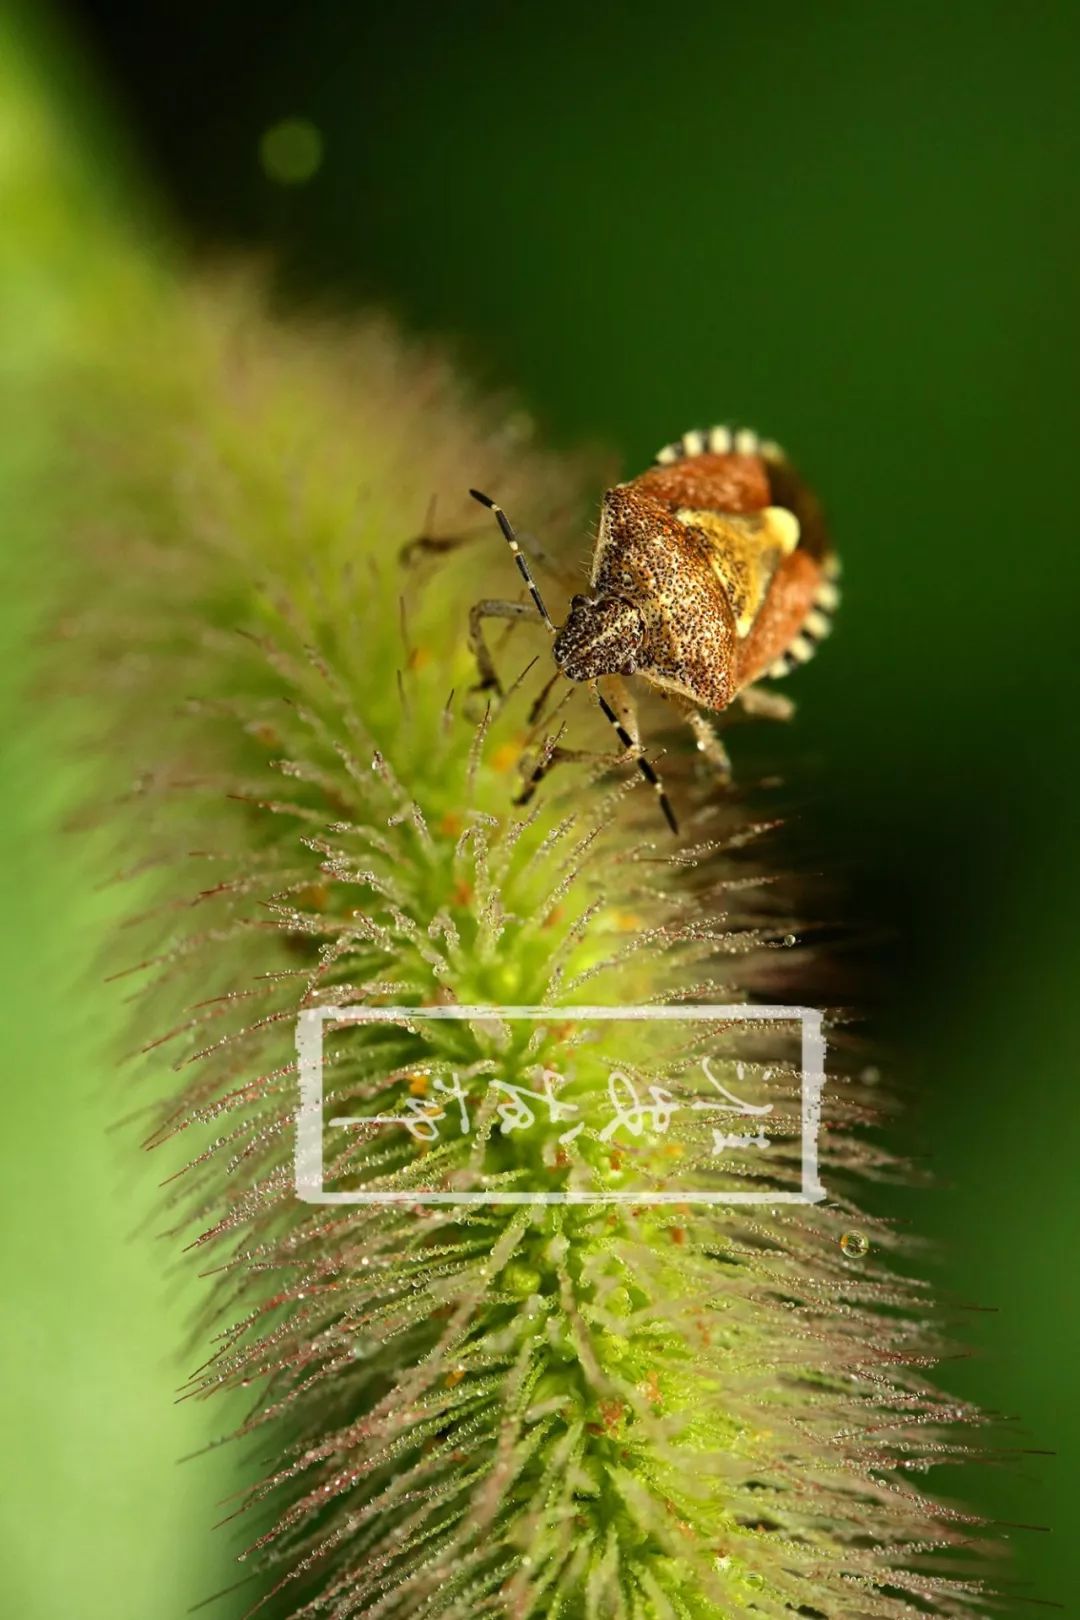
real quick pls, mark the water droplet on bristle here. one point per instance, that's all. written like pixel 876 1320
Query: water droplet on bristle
pixel 855 1245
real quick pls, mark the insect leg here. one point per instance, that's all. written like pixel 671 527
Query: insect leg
pixel 632 744
pixel 490 608
pixel 554 755
pixel 434 545
pixel 427 543
pixel 539 703
pixel 755 700
pixel 705 734
pixel 631 750
pixel 709 742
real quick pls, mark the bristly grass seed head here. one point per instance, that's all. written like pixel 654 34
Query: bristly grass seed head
pixel 568 1410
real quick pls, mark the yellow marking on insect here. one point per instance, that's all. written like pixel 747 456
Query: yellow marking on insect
pixel 418 1085
pixel 783 526
pixel 743 552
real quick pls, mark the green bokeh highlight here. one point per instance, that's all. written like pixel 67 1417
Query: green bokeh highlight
pixel 98 1514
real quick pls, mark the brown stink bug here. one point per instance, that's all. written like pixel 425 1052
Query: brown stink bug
pixel 711 570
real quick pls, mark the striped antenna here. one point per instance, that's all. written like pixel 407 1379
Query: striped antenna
pixel 519 557
pixel 643 764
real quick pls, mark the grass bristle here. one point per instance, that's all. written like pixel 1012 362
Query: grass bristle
pixel 662 1411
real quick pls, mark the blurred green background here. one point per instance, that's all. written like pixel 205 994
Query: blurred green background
pixel 854 226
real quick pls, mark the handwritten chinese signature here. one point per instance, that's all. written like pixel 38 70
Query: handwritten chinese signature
pixel 518 1107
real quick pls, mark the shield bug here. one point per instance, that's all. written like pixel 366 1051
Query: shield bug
pixel 712 570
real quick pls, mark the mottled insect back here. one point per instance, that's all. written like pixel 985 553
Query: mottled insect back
pixel 712 570
pixel 746 518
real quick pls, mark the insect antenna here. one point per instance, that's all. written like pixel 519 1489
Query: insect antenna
pixel 519 556
pixel 644 765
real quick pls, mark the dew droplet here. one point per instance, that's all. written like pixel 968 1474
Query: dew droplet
pixel 855 1245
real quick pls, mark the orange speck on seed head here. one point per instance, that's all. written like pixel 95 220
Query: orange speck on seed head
pixel 611 1412
pixel 505 757
pixel 315 896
